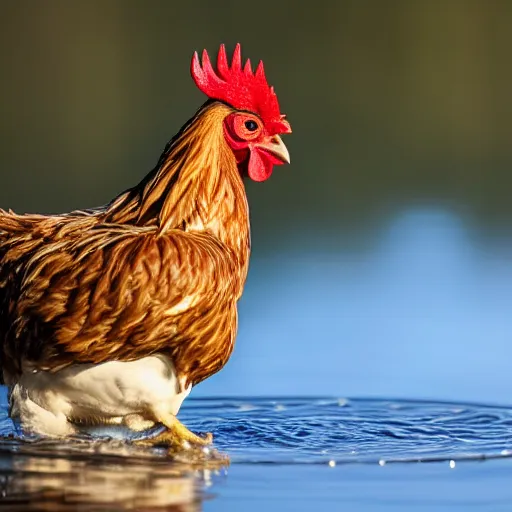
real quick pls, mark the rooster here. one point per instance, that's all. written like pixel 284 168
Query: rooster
pixel 110 316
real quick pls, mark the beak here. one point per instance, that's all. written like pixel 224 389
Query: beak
pixel 276 148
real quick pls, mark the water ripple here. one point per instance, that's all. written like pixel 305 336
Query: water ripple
pixel 108 474
pixel 306 430
pixel 321 430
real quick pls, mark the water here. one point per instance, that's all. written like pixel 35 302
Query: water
pixel 302 450
pixel 340 431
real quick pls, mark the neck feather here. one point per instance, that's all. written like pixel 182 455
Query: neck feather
pixel 195 186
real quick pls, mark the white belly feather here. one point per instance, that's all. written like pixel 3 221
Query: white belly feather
pixel 114 392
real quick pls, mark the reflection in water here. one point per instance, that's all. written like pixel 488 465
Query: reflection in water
pixel 59 484
pixel 98 474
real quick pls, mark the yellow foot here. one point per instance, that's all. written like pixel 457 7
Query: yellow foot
pixel 177 439
pixel 184 435
pixel 177 435
pixel 186 447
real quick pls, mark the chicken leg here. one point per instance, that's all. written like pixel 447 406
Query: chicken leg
pixel 176 435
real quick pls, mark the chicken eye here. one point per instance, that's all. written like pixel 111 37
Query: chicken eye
pixel 251 125
pixel 243 127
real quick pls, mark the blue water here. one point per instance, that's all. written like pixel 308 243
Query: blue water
pixel 342 431
pixel 423 487
pixel 381 454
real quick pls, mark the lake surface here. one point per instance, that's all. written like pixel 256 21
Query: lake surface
pixel 306 452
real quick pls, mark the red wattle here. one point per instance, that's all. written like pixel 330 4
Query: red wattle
pixel 259 167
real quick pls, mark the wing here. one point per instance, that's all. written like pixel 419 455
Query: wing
pixel 111 292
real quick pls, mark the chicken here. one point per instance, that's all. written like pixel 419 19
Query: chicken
pixel 110 316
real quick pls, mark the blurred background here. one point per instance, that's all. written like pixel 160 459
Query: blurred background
pixel 382 261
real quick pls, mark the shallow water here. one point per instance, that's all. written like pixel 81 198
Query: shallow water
pixel 318 431
pixel 309 451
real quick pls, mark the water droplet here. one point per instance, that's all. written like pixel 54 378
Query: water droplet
pixel 452 464
pixel 247 407
pixel 207 477
pixel 382 462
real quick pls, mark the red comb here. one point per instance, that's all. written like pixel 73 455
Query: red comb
pixel 240 88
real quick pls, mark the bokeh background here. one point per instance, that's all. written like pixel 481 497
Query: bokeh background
pixel 382 261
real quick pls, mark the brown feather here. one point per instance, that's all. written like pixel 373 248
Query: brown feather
pixel 158 270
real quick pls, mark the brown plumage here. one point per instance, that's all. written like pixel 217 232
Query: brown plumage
pixel 94 287
pixel 159 270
